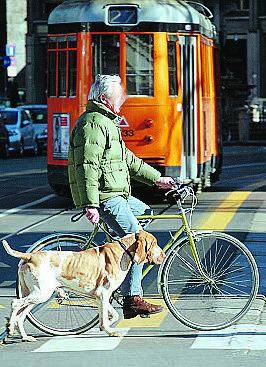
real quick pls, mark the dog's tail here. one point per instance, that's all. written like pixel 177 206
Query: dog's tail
pixel 20 255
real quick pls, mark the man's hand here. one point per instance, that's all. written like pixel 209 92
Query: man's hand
pixel 165 183
pixel 92 215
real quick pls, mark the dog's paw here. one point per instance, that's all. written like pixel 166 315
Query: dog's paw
pixel 29 338
pixel 115 333
pixel 8 339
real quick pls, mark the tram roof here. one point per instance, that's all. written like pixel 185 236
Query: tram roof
pixel 149 11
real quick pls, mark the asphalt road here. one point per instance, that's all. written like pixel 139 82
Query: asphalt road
pixel 236 204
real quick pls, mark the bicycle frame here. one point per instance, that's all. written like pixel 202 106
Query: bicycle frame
pixel 184 228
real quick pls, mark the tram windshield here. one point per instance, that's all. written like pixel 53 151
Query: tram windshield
pixel 105 54
pixel 139 60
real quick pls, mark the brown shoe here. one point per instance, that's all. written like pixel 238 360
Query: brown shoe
pixel 135 305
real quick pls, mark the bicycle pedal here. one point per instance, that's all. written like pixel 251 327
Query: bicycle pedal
pixel 145 316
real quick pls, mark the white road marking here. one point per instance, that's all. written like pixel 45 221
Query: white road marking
pixel 23 173
pixel 25 206
pixel 7 283
pixel 96 340
pixel 244 165
pixel 242 336
pixel 3 265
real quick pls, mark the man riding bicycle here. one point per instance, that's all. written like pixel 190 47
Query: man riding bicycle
pixel 100 168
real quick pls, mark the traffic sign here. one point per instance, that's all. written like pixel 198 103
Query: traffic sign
pixel 6 61
pixel 11 49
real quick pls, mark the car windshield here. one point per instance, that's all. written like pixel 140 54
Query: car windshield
pixel 9 117
pixel 39 116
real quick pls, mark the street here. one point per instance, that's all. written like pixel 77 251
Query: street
pixel 236 204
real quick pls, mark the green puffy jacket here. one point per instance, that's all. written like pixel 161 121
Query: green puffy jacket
pixel 100 166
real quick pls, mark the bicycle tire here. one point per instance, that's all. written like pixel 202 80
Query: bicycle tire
pixel 72 316
pixel 194 301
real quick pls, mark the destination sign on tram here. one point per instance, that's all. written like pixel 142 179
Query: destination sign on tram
pixel 122 15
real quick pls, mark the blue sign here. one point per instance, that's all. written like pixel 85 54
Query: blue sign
pixel 10 50
pixel 6 61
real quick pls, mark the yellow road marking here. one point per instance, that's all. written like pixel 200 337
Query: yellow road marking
pixel 225 212
pixel 1 306
pixel 154 321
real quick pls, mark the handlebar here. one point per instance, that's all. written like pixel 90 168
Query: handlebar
pixel 179 192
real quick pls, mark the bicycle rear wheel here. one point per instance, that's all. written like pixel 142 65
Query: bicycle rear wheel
pixel 223 299
pixel 69 313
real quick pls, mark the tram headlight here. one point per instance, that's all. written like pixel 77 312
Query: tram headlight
pixel 148 139
pixel 148 123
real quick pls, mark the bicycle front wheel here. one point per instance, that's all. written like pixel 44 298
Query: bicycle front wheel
pixel 220 297
pixel 66 312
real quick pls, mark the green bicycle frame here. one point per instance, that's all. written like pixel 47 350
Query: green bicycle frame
pixel 183 228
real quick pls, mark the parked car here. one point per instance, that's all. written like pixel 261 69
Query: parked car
pixel 20 130
pixel 4 138
pixel 38 114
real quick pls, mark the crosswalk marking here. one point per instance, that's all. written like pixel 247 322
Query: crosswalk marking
pixel 153 321
pixel 96 340
pixel 242 336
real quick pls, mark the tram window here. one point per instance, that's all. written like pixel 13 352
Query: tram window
pixel 72 73
pixel 172 67
pixel 52 42
pixel 205 70
pixel 139 65
pixel 105 54
pixel 52 73
pixel 62 73
pixel 72 42
pixel 62 43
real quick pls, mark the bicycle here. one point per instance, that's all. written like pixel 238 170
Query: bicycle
pixel 208 279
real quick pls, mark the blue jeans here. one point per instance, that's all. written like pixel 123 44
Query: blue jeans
pixel 120 215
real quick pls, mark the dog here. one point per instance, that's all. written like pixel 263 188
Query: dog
pixel 96 272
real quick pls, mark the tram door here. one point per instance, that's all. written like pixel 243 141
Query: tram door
pixel 189 82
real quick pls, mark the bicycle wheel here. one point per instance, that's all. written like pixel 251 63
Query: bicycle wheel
pixel 66 314
pixel 221 300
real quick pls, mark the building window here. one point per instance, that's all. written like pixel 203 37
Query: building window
pixel 262 8
pixel 139 65
pixel 62 66
pixel 244 4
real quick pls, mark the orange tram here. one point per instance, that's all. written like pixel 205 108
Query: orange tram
pixel 166 55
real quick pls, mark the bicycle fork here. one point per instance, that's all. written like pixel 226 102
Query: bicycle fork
pixel 193 248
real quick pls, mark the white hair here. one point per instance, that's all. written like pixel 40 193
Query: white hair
pixel 103 85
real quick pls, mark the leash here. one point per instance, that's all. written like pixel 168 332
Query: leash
pixel 119 241
pixel 76 217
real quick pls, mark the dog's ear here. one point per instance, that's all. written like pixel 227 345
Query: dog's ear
pixel 140 253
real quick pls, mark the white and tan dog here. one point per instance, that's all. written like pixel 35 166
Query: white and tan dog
pixel 96 272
